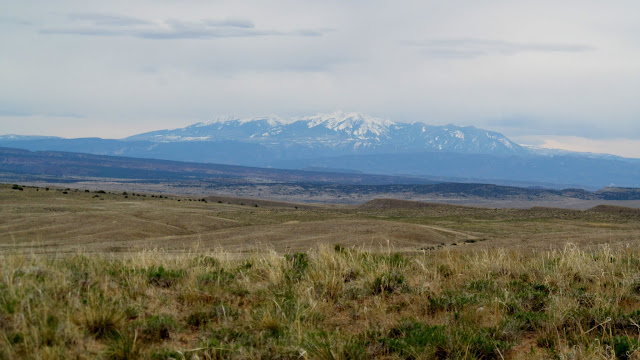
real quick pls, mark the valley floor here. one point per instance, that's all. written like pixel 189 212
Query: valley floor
pixel 58 220
pixel 126 275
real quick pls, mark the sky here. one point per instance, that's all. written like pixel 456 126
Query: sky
pixel 545 73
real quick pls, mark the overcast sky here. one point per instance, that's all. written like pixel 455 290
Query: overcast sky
pixel 557 74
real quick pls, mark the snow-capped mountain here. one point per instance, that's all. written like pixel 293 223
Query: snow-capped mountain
pixel 353 142
pixel 346 132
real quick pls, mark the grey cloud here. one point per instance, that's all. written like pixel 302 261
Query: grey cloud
pixel 7 20
pixel 107 19
pixel 310 32
pixel 113 25
pixel 241 23
pixel 13 112
pixel 472 48
pixel 521 125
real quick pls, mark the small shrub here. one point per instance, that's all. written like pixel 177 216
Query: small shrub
pixel 397 260
pixel 531 296
pixel 272 326
pixel 101 320
pixel 216 277
pixel 166 354
pixel 245 265
pixel 635 287
pixel 387 283
pixel 409 337
pixel 298 262
pixel 215 349
pixel 547 340
pixel 481 285
pixel 623 346
pixel 322 345
pixel 159 327
pixel 17 187
pixel 445 270
pixel 159 276
pixel 8 305
pixel 222 343
pixel 122 346
pixel 531 320
pixel 198 319
pixel 15 338
pixel 209 261
pixel 449 301
pixel 132 312
pixel 350 275
pixel 49 331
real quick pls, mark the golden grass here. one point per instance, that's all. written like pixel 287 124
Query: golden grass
pixel 328 303
pixel 38 221
pixel 120 276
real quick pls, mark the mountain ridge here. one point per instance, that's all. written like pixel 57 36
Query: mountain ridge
pixel 355 132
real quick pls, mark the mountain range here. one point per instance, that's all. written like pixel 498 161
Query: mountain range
pixel 343 133
pixel 357 142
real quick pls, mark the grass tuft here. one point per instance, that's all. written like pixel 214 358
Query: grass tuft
pixel 123 346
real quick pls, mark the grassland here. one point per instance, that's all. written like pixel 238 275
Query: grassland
pixel 127 276
pixel 35 220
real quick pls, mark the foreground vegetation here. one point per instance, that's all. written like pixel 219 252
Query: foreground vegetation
pixel 328 303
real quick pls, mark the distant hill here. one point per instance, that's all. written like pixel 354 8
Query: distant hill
pixel 78 165
pixel 68 167
pixel 582 171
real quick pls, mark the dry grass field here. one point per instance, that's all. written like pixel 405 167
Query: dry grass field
pixel 34 220
pixel 129 276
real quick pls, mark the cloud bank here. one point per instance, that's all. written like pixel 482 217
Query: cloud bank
pixel 471 48
pixel 97 24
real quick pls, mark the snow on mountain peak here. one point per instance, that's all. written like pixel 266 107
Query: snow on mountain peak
pixel 354 123
pixel 272 120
